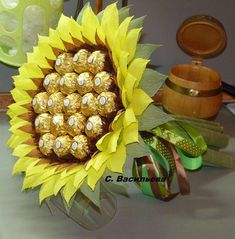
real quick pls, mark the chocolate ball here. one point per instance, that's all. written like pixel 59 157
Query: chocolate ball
pixel 72 103
pixel 62 146
pixel 80 61
pixel 40 103
pixel 76 124
pixel 85 83
pixel 81 147
pixel 64 63
pixel 103 81
pixel 46 143
pixel 96 62
pixel 89 104
pixel 58 125
pixel 68 83
pixel 55 103
pixel 96 127
pixel 108 104
pixel 51 83
pixel 43 123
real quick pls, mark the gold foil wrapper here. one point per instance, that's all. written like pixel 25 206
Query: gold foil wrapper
pixel 64 63
pixel 96 62
pixel 85 83
pixel 72 103
pixel 103 81
pixel 96 127
pixel 55 103
pixel 40 103
pixel 62 146
pixel 46 143
pixel 51 83
pixel 89 104
pixel 81 147
pixel 108 104
pixel 43 123
pixel 68 83
pixel 58 125
pixel 76 124
pixel 80 61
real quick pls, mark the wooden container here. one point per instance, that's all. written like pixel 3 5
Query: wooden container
pixel 193 89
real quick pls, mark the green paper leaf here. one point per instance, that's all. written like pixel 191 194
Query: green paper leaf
pixel 145 50
pixel 123 13
pixel 137 23
pixel 79 18
pixel 152 81
pixel 153 117
pixel 137 150
pixel 94 196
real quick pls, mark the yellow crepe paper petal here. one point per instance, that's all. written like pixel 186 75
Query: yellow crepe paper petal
pixel 30 70
pixel 19 95
pixel 99 160
pixel 60 183
pixel 55 40
pixel 130 133
pixel 118 121
pixel 22 164
pixel 140 101
pixel 94 176
pixel 117 159
pixel 80 176
pixel 76 30
pixel 64 23
pixel 129 117
pixel 46 49
pixel 22 150
pixel 129 85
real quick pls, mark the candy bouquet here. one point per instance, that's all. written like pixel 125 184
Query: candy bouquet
pixel 83 104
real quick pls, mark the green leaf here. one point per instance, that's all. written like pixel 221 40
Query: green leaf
pixel 79 18
pixel 137 150
pixel 145 50
pixel 152 81
pixel 137 23
pixel 123 13
pixel 153 117
pixel 94 196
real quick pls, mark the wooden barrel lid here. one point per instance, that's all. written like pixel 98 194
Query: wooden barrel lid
pixel 202 36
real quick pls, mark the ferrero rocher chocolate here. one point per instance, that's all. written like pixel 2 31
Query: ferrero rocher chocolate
pixel 80 147
pixel 62 146
pixel 85 83
pixel 72 103
pixel 80 60
pixel 40 103
pixel 68 83
pixel 64 63
pixel 76 124
pixel 103 81
pixel 43 123
pixel 108 104
pixel 96 61
pixel 55 103
pixel 58 125
pixel 46 143
pixel 89 104
pixel 51 83
pixel 96 127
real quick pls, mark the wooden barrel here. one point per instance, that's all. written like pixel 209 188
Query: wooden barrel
pixel 193 90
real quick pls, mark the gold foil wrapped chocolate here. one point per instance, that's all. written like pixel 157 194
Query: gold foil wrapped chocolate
pixel 96 61
pixel 58 125
pixel 89 104
pixel 46 143
pixel 96 127
pixel 103 81
pixel 80 61
pixel 81 147
pixel 68 83
pixel 40 103
pixel 72 103
pixel 64 63
pixel 108 104
pixel 62 145
pixel 76 124
pixel 51 83
pixel 55 103
pixel 85 83
pixel 43 123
